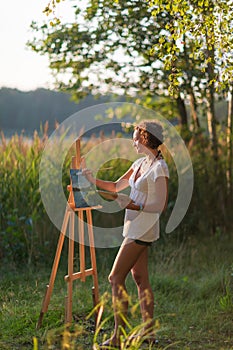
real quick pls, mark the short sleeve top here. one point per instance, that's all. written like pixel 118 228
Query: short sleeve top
pixel 139 224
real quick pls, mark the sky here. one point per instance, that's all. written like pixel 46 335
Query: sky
pixel 20 67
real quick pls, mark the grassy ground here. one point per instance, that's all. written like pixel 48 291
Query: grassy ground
pixel 193 289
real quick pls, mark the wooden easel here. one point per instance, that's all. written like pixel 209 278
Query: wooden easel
pixel 69 218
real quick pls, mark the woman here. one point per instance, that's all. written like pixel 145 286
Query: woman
pixel 148 179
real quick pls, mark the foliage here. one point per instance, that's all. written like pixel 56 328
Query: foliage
pixel 106 49
pixel 202 30
pixel 205 24
pixel 20 197
pixel 196 47
pixel 26 233
pixel 144 49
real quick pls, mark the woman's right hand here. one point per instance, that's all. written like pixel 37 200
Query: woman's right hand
pixel 123 200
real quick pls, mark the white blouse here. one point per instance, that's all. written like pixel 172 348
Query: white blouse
pixel 139 224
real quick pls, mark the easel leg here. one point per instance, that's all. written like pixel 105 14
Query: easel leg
pixel 81 245
pixel 95 289
pixel 93 257
pixel 68 315
pixel 49 287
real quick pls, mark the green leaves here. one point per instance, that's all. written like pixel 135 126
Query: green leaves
pixel 110 41
pixel 160 47
pixel 207 25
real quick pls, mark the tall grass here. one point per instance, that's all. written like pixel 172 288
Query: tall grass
pixel 20 201
pixel 26 233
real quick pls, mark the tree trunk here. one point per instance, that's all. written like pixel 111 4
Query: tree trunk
pixel 193 107
pixel 211 118
pixel 192 99
pixel 229 173
pixel 211 121
pixel 182 112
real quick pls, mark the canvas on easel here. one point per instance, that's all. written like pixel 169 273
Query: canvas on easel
pixel 84 192
pixel 81 200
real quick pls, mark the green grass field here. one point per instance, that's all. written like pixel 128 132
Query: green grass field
pixel 193 289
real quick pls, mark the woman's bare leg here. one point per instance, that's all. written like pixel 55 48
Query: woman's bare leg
pixel 126 258
pixel 141 276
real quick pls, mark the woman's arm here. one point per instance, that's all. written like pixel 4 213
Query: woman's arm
pixel 111 186
pixel 157 204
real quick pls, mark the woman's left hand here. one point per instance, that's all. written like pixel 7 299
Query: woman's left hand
pixel 123 200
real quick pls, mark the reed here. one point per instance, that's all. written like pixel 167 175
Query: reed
pixel 27 235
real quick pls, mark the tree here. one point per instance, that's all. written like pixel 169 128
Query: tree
pixel 177 49
pixel 107 49
pixel 206 26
